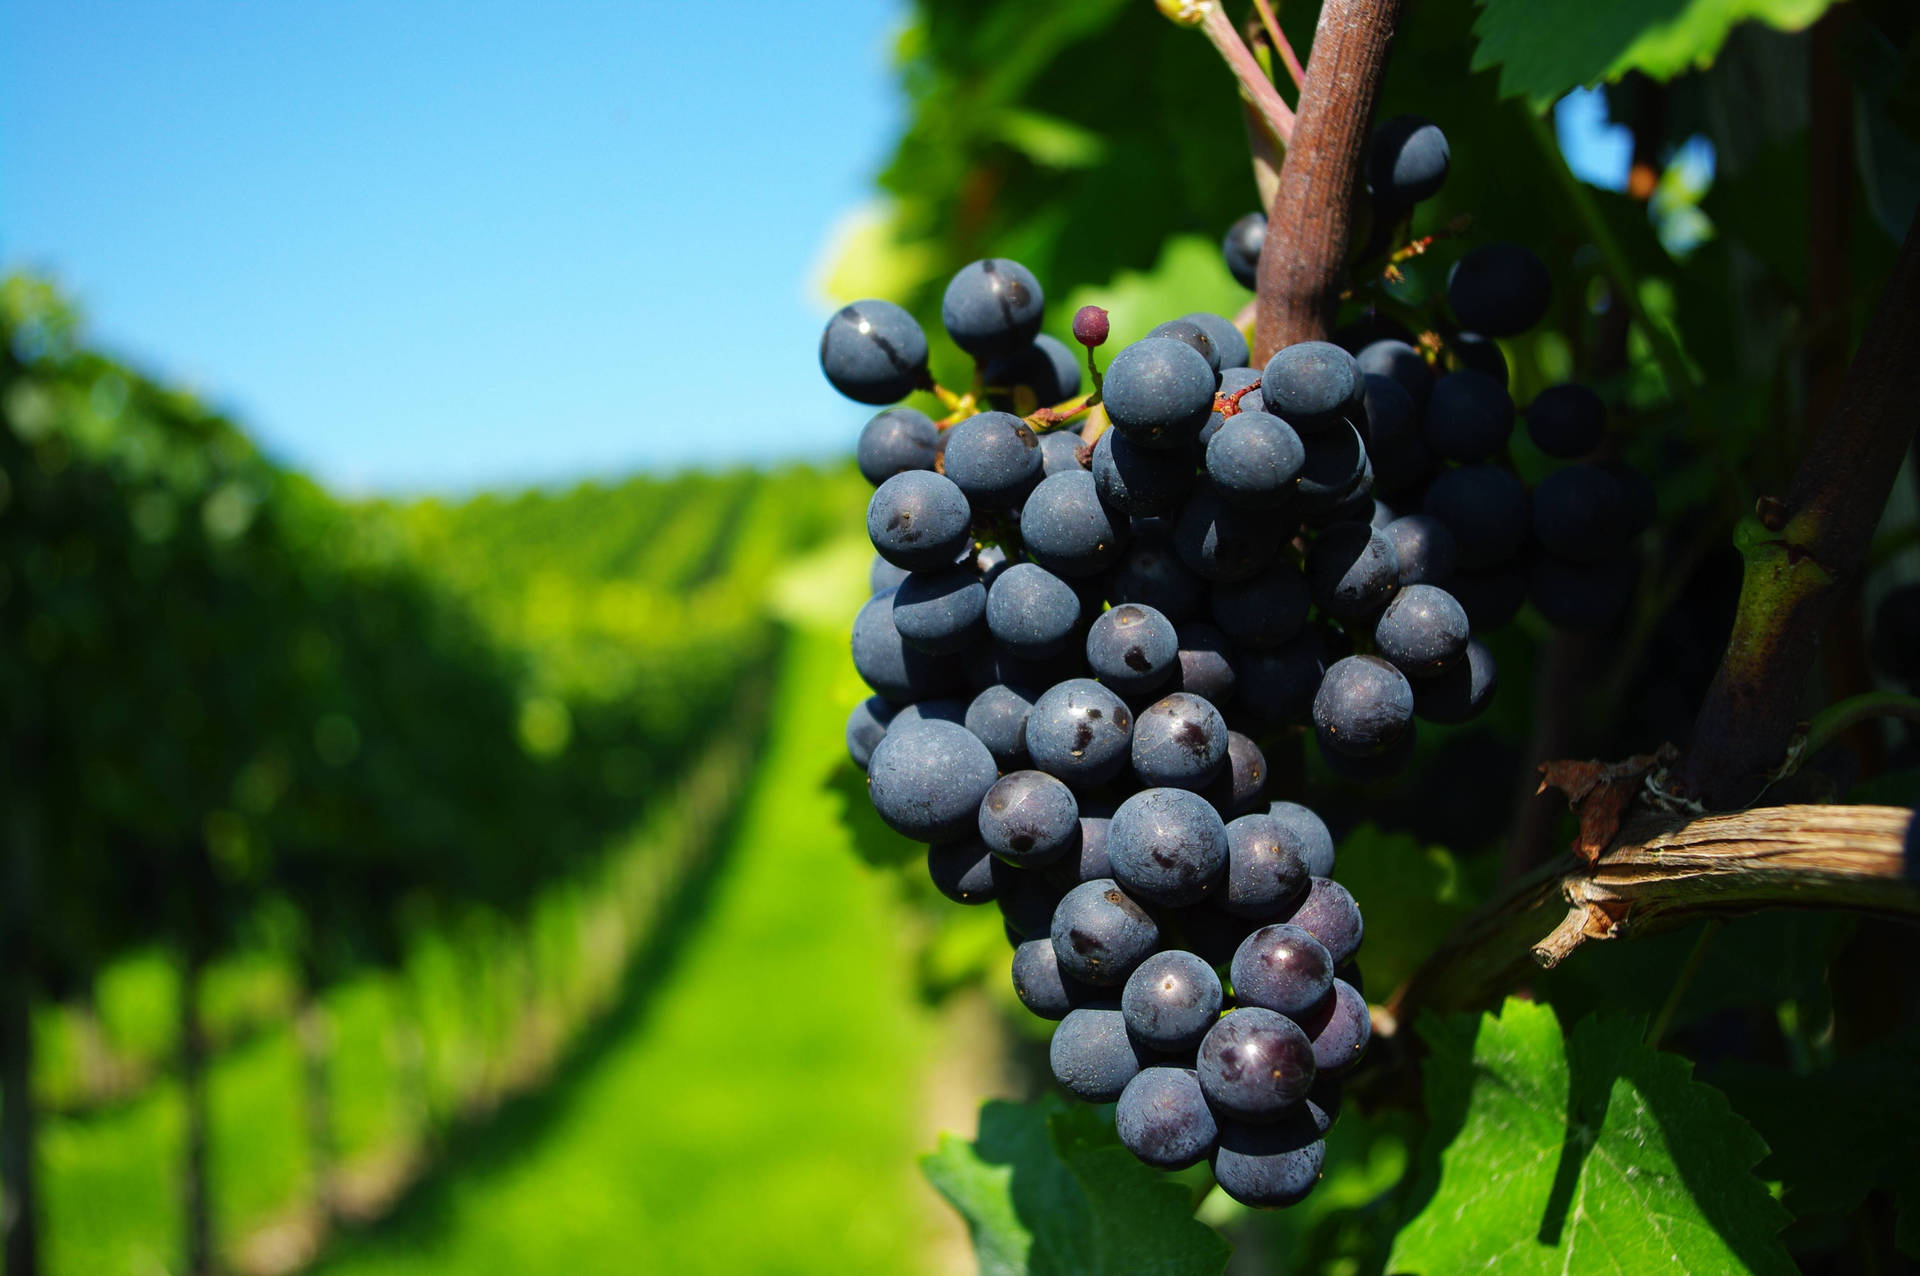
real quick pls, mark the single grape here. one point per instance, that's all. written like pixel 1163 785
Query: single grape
pixel 1254 459
pixel 1090 326
pixel 919 520
pixel 1328 913
pixel 1424 547
pixel 941 611
pixel 1485 508
pixel 1310 384
pixel 1041 987
pixel 1277 686
pixel 1500 290
pixel 1167 846
pixel 1338 1025
pixel 1422 632
pixel 1402 363
pixel 1309 836
pixel 1580 514
pixel 1254 1064
pixel 994 458
pixel 1060 452
pixel 962 871
pixel 1158 392
pixel 1227 339
pixel 1352 570
pixel 1206 663
pixel 1407 160
pixel 1032 611
pixel 1282 968
pixel 1220 542
pixel 886 663
pixel 1265 867
pixel 1323 1103
pixel 992 307
pixel 1151 574
pixel 1469 416
pixel 896 440
pixel 1080 731
pixel 1242 245
pixel 1189 334
pixel 998 715
pixel 1027 900
pixel 1364 706
pixel 1029 818
pixel 1240 783
pixel 1132 648
pixel 1100 934
pixel 1163 1118
pixel 1269 1166
pixel 1472 351
pixel 1180 742
pixel 874 352
pixel 1170 1001
pixel 1336 464
pixel 866 726
pixel 1461 693
pixel 927 779
pixel 1265 611
pixel 1067 529
pixel 1395 442
pixel 1091 1055
pixel 1566 420
pixel 1041 375
pixel 1140 480
pixel 1091 859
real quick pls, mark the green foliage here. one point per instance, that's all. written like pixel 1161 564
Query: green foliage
pixel 1047 1188
pixel 1584 1153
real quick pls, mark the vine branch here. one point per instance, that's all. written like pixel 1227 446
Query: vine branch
pixel 1303 267
pixel 1662 873
pixel 1803 552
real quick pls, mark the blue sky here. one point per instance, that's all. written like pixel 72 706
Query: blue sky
pixel 436 246
pixel 439 245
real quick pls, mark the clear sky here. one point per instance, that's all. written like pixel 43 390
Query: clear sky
pixel 436 245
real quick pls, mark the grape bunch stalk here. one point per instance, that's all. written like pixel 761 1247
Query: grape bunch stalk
pixel 1079 639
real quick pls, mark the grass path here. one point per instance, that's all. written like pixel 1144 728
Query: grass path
pixel 757 1110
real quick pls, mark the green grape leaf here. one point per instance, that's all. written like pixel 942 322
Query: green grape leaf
pixel 1545 47
pixel 1592 1153
pixel 1047 1190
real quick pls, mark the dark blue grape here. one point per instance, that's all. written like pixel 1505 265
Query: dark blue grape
pixel 1087 859
pixel 1027 900
pixel 1407 160
pixel 1423 631
pixel 1170 1001
pixel 1140 480
pixel 1151 574
pixel 1265 611
pixel 1566 420
pixel 1220 542
pixel 1485 507
pixel 1163 1118
pixel 1100 934
pixel 1364 705
pixel 1352 569
pixel 1080 731
pixel 1265 867
pixel 887 664
pixel 1310 836
pixel 1339 1027
pixel 992 307
pixel 1581 596
pixel 1282 968
pixel 1032 611
pixel 1323 1103
pixel 1041 987
pixel 1310 384
pixel 941 612
pixel 1043 374
pixel 1424 547
pixel 1476 353
pixel 1277 687
pixel 874 352
pixel 998 715
pixel 1158 392
pixel 919 520
pixel 1029 818
pixel 942 709
pixel 1227 339
pixel 1580 514
pixel 1067 530
pixel 1469 416
pixel 1461 693
pixel 1167 846
pixel 1189 334
pixel 883 577
pixel 1091 1055
pixel 1329 914
pixel 1269 1166
pixel 1253 460
pixel 1132 648
pixel 1240 783
pixel 926 780
pixel 1395 442
pixel 896 440
pixel 1254 1064
pixel 1060 452
pixel 1335 465
pixel 962 871
pixel 1400 362
pixel 1179 741
pixel 866 726
pixel 994 458
pixel 1500 290
pixel 1241 247
pixel 1206 663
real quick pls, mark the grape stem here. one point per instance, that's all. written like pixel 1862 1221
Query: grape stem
pixel 1254 84
pixel 1303 266
pixel 1275 37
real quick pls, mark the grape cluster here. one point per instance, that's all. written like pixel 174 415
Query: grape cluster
pixel 1437 428
pixel 1075 650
